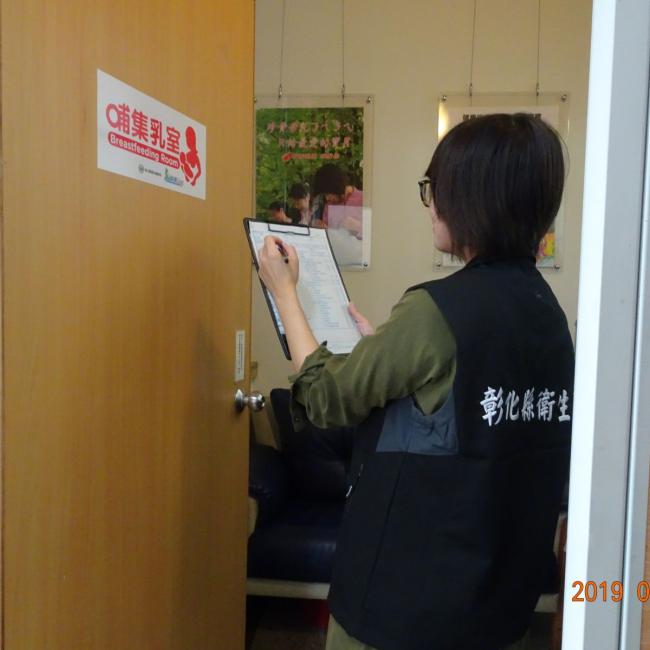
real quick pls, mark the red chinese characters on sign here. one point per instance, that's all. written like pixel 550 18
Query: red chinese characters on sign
pixel 157 138
pixel 173 139
pixel 319 138
pixel 119 117
pixel 304 136
pixel 154 140
pixel 140 126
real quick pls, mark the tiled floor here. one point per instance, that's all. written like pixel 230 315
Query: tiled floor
pixel 284 624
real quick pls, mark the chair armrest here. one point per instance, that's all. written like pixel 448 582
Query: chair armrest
pixel 318 460
pixel 268 481
pixel 253 510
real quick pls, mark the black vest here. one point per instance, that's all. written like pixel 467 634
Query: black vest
pixel 448 535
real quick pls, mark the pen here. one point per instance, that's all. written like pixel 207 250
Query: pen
pixel 283 253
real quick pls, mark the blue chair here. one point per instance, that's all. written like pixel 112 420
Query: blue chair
pixel 300 492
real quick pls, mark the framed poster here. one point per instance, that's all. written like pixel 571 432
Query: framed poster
pixel 312 167
pixel 553 108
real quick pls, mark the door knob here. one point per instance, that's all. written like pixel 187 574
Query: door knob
pixel 255 401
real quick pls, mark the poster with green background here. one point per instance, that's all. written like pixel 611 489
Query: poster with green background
pixel 292 143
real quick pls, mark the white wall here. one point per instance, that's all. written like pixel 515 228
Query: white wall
pixel 406 54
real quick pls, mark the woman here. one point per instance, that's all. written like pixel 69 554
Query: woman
pixel 343 202
pixel 462 402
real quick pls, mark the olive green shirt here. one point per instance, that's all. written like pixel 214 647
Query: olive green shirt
pixel 412 353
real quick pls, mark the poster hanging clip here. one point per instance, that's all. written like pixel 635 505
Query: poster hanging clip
pixel 343 91
pixel 280 91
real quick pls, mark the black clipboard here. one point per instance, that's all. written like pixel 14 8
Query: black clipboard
pixel 279 230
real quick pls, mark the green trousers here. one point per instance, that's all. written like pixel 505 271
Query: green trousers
pixel 338 639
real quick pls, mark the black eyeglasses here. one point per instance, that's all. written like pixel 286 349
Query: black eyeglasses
pixel 426 191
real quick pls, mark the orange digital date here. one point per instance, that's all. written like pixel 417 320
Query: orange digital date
pixel 590 591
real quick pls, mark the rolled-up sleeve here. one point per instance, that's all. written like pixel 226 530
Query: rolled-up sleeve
pixel 413 352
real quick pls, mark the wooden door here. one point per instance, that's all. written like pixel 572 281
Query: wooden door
pixel 125 465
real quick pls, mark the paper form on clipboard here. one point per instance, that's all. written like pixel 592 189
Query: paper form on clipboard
pixel 322 293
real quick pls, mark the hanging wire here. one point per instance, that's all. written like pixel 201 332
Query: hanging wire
pixel 343 50
pixel 539 33
pixel 284 12
pixel 471 61
pixel 281 93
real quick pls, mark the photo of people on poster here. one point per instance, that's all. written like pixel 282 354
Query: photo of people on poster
pixel 309 171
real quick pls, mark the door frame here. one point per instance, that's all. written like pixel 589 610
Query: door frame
pixel 609 482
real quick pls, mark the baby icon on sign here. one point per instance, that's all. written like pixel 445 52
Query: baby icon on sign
pixel 190 161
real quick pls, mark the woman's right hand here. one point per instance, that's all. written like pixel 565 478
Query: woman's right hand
pixel 278 267
pixel 363 324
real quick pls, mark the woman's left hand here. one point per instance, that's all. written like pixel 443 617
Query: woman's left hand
pixel 279 267
pixel 363 324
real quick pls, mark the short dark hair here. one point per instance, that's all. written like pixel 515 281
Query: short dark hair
pixel 299 191
pixel 278 205
pixel 497 182
pixel 330 179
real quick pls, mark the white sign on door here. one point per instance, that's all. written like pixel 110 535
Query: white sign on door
pixel 144 139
